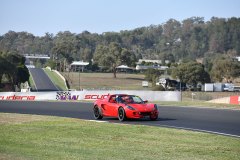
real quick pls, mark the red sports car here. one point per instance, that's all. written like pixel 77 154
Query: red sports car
pixel 124 106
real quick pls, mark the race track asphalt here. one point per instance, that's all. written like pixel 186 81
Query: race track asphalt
pixel 218 121
pixel 42 81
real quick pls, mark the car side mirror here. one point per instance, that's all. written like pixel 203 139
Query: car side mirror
pixel 146 101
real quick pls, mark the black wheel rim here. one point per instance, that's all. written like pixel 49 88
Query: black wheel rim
pixel 121 116
pixel 96 112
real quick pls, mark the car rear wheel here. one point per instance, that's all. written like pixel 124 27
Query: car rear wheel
pixel 97 113
pixel 121 114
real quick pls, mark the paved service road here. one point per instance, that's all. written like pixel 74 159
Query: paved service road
pixel 219 121
pixel 42 81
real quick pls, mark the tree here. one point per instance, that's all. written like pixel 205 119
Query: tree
pixel 112 56
pixel 3 66
pixel 12 66
pixel 191 73
pixel 190 39
pixel 151 75
pixel 64 46
pixel 50 63
pixel 225 68
pixel 22 74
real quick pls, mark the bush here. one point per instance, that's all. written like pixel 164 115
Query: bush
pixel 158 88
pixel 151 74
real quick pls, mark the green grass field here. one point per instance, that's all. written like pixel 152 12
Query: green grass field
pixel 130 82
pixel 31 83
pixel 43 137
pixel 58 82
pixel 105 81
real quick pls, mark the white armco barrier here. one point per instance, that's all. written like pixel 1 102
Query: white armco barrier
pixel 89 95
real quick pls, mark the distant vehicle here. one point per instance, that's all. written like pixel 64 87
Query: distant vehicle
pixel 228 87
pixel 124 106
pixel 236 89
pixel 221 87
pixel 170 84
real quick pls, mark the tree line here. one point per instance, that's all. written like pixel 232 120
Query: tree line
pixel 190 39
pixel 214 42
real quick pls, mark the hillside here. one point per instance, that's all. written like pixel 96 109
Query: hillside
pixel 190 39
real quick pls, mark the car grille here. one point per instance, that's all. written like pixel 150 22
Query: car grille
pixel 145 113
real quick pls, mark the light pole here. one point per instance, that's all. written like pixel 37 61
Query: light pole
pixel 180 87
pixel 56 60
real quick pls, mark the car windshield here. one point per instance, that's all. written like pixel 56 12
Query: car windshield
pixel 130 99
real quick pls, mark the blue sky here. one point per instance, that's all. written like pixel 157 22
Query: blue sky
pixel 98 16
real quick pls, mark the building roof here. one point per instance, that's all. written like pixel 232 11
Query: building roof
pixel 142 67
pixel 149 60
pixel 37 56
pixel 123 67
pixel 79 63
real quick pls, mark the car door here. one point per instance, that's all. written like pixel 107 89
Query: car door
pixel 111 107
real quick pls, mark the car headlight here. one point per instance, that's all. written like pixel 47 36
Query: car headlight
pixel 130 107
pixel 155 107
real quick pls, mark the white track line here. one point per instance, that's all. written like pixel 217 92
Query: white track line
pixel 97 121
pixel 202 107
pixel 200 130
pixel 168 126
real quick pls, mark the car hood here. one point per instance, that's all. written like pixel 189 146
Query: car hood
pixel 142 107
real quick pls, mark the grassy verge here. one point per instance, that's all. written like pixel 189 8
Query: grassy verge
pixel 42 137
pixel 105 81
pixel 31 83
pixel 56 79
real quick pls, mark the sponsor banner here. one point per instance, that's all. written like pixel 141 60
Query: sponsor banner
pixel 68 95
pixel 100 94
pixel 89 95
pixel 235 100
pixel 27 96
pixel 145 95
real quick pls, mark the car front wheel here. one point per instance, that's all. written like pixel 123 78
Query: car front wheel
pixel 97 113
pixel 121 114
pixel 153 117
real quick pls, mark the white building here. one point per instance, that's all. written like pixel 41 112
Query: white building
pixel 142 67
pixel 78 65
pixel 124 68
pixel 149 60
pixel 238 58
